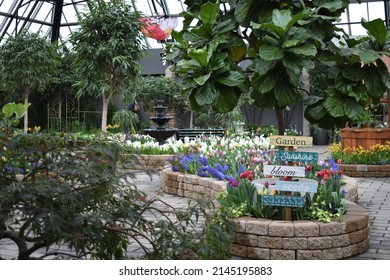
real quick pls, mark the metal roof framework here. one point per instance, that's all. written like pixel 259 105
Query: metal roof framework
pixel 56 19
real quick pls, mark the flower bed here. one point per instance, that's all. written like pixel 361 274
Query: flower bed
pixel 269 239
pixel 360 162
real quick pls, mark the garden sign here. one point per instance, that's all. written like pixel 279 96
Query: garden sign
pixel 288 172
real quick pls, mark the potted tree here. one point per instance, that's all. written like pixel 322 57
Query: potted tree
pixel 357 78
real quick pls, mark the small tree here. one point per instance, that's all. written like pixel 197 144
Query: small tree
pixel 108 47
pixel 28 63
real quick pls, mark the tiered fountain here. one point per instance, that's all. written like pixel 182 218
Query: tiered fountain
pixel 160 133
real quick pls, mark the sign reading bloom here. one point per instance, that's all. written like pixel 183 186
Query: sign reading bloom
pixel 159 29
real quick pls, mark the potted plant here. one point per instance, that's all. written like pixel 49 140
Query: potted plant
pixel 356 78
pixel 127 120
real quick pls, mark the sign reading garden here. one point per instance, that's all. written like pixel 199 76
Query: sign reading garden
pixel 288 186
pixel 291 141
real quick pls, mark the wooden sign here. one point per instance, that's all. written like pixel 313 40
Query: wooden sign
pixel 291 141
pixel 308 157
pixel 281 200
pixel 280 170
pixel 309 186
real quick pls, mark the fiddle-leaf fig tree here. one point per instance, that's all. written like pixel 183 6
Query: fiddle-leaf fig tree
pixel 356 78
pixel 231 47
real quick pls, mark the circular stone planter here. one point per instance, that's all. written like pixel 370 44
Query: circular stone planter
pixel 282 240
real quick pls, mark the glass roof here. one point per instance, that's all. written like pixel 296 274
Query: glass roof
pixel 57 18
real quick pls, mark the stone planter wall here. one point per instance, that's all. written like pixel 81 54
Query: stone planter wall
pixel 195 187
pixel 191 186
pixel 361 170
pixel 143 162
pixel 281 240
pixel 302 240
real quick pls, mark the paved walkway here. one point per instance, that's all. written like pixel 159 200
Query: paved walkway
pixel 374 195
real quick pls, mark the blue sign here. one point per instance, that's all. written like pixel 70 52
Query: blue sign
pixel 308 157
pixel 281 200
pixel 291 186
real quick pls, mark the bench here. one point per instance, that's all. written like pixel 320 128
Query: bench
pixel 194 133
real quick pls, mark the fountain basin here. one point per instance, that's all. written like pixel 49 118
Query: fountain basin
pixel 161 134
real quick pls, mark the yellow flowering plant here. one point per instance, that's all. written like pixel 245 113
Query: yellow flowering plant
pixel 376 155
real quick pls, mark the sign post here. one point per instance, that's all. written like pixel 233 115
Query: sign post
pixel 290 171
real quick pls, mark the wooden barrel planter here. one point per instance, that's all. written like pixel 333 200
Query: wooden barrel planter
pixel 364 137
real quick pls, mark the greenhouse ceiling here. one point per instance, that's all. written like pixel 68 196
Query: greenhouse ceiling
pixel 56 19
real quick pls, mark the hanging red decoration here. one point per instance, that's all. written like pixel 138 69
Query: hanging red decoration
pixel 159 29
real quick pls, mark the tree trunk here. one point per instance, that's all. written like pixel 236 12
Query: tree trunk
pixel 104 112
pixel 388 108
pixel 281 123
pixel 26 94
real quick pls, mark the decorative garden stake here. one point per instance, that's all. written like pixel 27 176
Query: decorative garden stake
pixel 287 173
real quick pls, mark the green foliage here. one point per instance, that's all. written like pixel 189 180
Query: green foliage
pixel 278 38
pixel 10 115
pixel 150 89
pixel 28 64
pixel 61 191
pixel 355 77
pixel 127 120
pixel 27 61
pixel 108 47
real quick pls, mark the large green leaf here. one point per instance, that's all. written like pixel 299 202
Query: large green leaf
pixel 281 18
pixel 353 73
pixel 268 83
pixel 298 36
pixel 373 81
pixel 188 65
pixel 223 27
pixel 335 106
pixel 226 100
pixel 18 109
pixel 268 52
pixel 369 56
pixel 261 66
pixel 316 111
pixel 202 79
pixel 353 110
pixel 209 12
pixel 293 65
pixel 312 99
pixel 202 32
pixel 241 10
pixel 285 93
pixel 233 78
pixel 304 50
pixel 377 30
pixel 206 94
pixel 332 6
pixel 199 55
pixel 266 100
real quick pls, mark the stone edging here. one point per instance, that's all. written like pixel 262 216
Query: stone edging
pixel 302 240
pixel 282 240
pixel 143 162
pixel 361 170
pixel 195 187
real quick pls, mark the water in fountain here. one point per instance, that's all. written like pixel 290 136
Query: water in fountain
pixel 160 133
